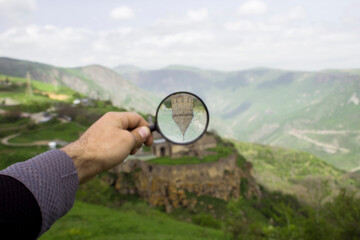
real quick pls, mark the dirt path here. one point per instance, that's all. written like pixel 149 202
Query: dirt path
pixel 324 132
pixel 355 169
pixel 330 148
pixel 6 142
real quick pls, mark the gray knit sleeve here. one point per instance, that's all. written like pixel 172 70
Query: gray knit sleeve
pixel 53 180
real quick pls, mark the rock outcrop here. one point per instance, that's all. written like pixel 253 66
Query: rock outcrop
pixel 167 186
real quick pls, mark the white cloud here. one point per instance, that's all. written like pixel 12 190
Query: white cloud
pixel 192 16
pixel 16 8
pixel 253 7
pixel 297 13
pixel 251 26
pixel 282 41
pixel 293 14
pixel 240 25
pixel 122 12
pixel 197 15
pixel 183 38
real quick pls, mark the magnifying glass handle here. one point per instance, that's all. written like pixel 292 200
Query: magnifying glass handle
pixel 152 128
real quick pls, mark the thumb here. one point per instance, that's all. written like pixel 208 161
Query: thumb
pixel 140 135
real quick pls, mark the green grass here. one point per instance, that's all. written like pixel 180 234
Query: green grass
pixel 6 124
pixel 31 104
pixel 41 86
pixel 22 98
pixel 88 221
pixel 62 131
pixel 175 161
pixel 11 155
pixel 37 102
pixel 219 152
pixel 100 192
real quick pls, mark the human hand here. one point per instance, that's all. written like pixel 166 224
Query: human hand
pixel 107 143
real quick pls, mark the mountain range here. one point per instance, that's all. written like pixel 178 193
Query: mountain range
pixel 316 112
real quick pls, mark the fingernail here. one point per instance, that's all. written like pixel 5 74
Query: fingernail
pixel 144 132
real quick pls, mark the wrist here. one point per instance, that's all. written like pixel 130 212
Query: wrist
pixel 76 153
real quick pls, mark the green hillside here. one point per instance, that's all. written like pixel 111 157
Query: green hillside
pixel 94 81
pixel 293 172
pixel 316 112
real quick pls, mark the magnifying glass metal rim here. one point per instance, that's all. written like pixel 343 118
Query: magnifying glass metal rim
pixel 171 141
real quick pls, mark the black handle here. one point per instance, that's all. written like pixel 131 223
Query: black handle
pixel 152 128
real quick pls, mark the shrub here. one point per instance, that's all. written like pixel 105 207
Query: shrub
pixel 206 220
pixel 31 125
pixel 244 185
pixel 12 116
pixel 344 212
pixel 34 107
pixel 98 192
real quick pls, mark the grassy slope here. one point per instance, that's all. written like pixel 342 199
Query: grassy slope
pixel 87 221
pixel 289 170
pixel 42 86
pixel 62 131
pixel 10 155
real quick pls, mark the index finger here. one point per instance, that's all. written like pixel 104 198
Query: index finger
pixel 130 120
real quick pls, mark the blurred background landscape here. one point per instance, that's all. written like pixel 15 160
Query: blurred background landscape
pixel 281 79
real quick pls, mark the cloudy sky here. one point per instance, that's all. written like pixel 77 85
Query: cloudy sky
pixel 222 35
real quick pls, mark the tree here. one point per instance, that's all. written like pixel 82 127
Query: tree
pixel 344 212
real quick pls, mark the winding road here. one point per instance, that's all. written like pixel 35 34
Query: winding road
pixel 330 148
pixel 5 141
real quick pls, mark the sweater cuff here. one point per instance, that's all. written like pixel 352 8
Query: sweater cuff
pixel 53 180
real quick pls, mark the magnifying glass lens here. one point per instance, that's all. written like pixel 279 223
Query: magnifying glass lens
pixel 182 118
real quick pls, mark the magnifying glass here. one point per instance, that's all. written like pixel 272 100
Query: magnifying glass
pixel 181 118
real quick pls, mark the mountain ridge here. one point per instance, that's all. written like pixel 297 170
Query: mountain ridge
pixel 94 80
pixel 186 67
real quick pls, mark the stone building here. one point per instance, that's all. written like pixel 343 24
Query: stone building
pixel 162 148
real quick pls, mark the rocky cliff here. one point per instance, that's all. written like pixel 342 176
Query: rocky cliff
pixel 168 186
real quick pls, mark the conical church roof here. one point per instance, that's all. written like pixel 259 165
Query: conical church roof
pixel 182 110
